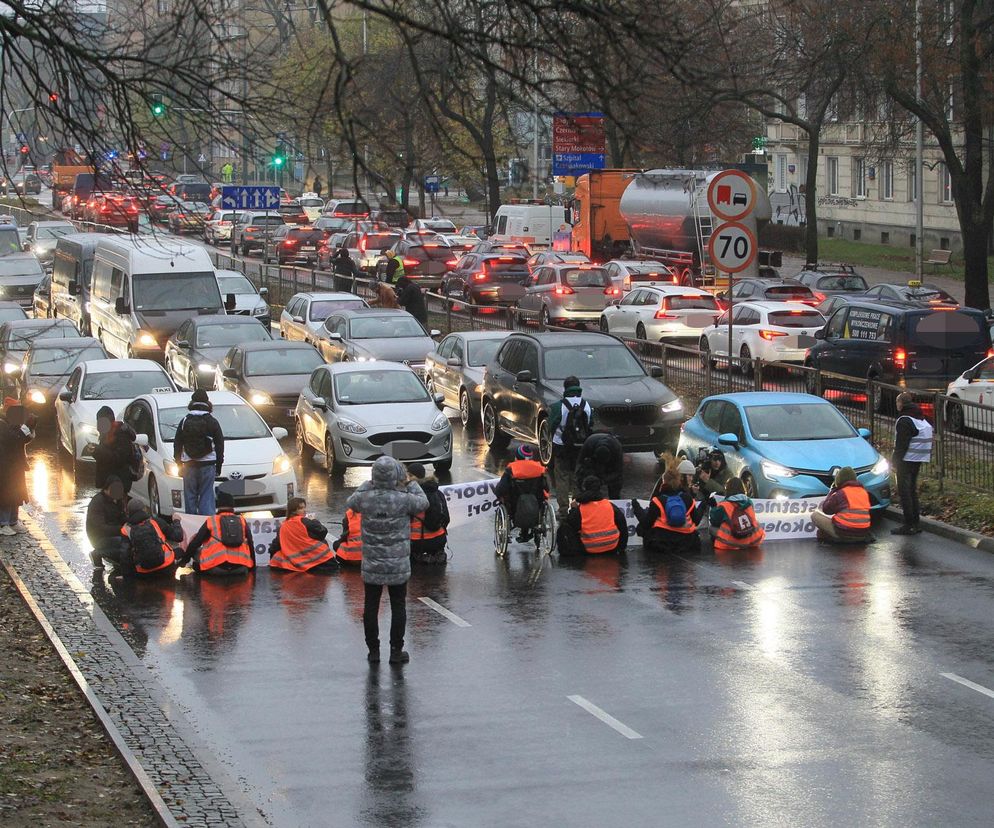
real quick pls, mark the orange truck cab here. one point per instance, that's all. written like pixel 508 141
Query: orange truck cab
pixel 599 231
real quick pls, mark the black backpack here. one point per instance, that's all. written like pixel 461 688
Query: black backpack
pixel 576 426
pixel 526 511
pixel 146 546
pixel 739 523
pixel 437 514
pixel 197 441
pixel 232 531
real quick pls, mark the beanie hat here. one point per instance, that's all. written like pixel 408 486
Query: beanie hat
pixel 135 506
pixel 591 483
pixel 686 467
pixel 199 398
pixel 417 469
pixel 525 452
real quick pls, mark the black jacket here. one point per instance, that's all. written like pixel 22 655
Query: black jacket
pixel 13 463
pixel 905 431
pixel 437 514
pixel 410 298
pixel 216 436
pixel 104 519
pixel 114 455
pixel 608 465
pixel 198 540
pixel 648 516
pixel 574 521
pixel 343 265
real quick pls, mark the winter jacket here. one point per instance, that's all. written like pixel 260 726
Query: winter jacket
pixel 905 431
pixel 104 519
pixel 660 539
pixel 836 502
pixel 172 531
pixel 574 521
pixel 215 457
pixel 557 413
pixel 387 503
pixel 411 299
pixel 437 514
pixel 114 455
pixel 13 463
pixel 715 484
pixel 603 456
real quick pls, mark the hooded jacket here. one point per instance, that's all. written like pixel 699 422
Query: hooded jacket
pixel 411 299
pixel 602 456
pixel 718 516
pixel 104 519
pixel 387 502
pixel 114 453
pixel 557 414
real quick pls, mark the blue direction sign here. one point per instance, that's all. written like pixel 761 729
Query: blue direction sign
pixel 576 163
pixel 250 198
pixel 433 183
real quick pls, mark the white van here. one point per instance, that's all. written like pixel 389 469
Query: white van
pixel 532 224
pixel 143 289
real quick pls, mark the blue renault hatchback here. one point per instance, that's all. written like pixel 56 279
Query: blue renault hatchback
pixel 785 445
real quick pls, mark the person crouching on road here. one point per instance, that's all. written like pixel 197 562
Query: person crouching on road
pixel 912 448
pixel 594 525
pixel 348 548
pixel 429 529
pixel 105 515
pixel 198 449
pixel 669 524
pixel 602 456
pixel 148 549
pixel 733 520
pixel 223 545
pixel 385 297
pixel 299 545
pixel 387 502
pixel 844 516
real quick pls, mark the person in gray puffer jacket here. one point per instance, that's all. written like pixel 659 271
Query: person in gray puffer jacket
pixel 387 503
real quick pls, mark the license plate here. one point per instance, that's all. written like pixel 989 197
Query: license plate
pixel 308 249
pixel 788 342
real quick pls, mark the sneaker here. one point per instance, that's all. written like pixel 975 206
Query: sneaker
pixel 7 530
pixel 95 559
pixel 905 530
pixel 399 656
pixel 20 528
pixel 373 657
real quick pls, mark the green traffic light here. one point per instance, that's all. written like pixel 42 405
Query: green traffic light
pixel 158 109
pixel 278 161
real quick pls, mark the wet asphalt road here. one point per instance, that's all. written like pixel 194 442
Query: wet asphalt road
pixel 798 685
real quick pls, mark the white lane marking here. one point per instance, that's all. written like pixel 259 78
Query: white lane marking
pixel 605 717
pixel 743 585
pixel 455 619
pixel 967 683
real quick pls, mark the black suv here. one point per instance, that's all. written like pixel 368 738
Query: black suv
pixel 525 379
pixel 487 279
pixel 900 343
pixel 831 280
pixel 425 262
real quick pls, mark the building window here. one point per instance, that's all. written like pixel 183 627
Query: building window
pixel 945 184
pixel 859 177
pixel 912 182
pixel 887 180
pixel 833 175
pixel 884 237
pixel 780 182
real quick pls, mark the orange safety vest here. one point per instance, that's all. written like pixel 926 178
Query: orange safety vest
pixel 598 531
pixel 856 516
pixel 726 541
pixel 214 553
pixel 418 531
pixel 168 554
pixel 298 550
pixel 689 527
pixel 526 469
pixel 350 549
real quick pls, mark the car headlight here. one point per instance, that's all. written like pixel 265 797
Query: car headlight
pixel 146 340
pixel 281 464
pixel 771 471
pixel 260 311
pixel 351 426
pixel 479 389
pixel 10 367
pixel 260 398
pixel 672 407
pixel 439 423
pixel 36 396
pixel 881 466
pixel 172 469
pixel 205 368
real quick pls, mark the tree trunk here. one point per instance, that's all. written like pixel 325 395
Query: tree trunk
pixel 975 234
pixel 493 178
pixel 811 196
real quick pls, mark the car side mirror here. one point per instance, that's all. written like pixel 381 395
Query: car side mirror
pixel 320 404
pixel 182 343
pixel 229 302
pixel 141 440
pixel 65 396
pixel 655 372
pixel 298 319
pixel 335 335
pixel 280 433
pixel 121 306
pixel 728 439
pixel 865 433
pixel 439 400
pixel 820 334
pixel 723 295
pixel 434 332
pixel 454 362
pixel 229 373
pixel 525 376
pixel 73 288
pixel 264 291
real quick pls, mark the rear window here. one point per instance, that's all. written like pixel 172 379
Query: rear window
pixel 797 319
pixel 844 282
pixel 435 253
pixel 931 294
pixel 350 208
pixel 691 303
pixel 948 330
pixel 506 266
pixel 314 236
pixel 379 241
pixel 291 209
pixel 588 277
pixel 267 220
pixel 785 291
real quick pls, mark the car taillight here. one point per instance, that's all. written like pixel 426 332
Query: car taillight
pixel 820 297
pixel 362 245
pixel 900 358
pixel 769 336
pixel 451 264
pixel 628 283
pixel 676 279
pixel 990 353
pixel 564 290
pixel 224 224
pixel 480 277
pixel 612 291
pixel 662 314
pixel 289 242
pixel 251 229
pixel 410 262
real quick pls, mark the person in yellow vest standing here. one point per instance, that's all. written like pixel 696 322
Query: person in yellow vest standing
pixel 299 545
pixel 395 266
pixel 223 545
pixel 912 448
pixel 844 516
pixel 348 548
pixel 733 520
pixel 593 525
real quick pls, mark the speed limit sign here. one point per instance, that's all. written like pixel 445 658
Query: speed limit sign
pixel 732 247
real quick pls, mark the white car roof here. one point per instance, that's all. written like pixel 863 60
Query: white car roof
pixel 778 306
pixel 180 399
pixel 110 366
pixel 339 295
pixel 637 263
pixel 669 289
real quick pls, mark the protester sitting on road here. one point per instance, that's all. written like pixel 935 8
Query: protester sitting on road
pixel 411 299
pixel 198 449
pixel 223 545
pixel 116 453
pixel 429 532
pixel 149 543
pixel 385 297
pixel 348 548
pixel 105 516
pixel 523 488
pixel 299 545
pixel 602 456
pixel 713 474
pixel 844 516
pixel 16 431
pixel 669 524
pixel 387 502
pixel 594 525
pixel 733 520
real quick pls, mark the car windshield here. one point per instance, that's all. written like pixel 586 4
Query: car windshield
pixel 124 385
pixel 10 242
pixel 385 327
pixel 238 422
pixel 238 285
pixel 379 388
pixel 55 362
pixel 279 361
pixel 55 232
pixel 176 291
pixel 322 309
pixel 948 330
pixel 10 314
pixel 20 338
pixel 482 351
pixel 848 281
pixel 231 333
pixel 587 277
pixel 801 421
pixel 797 319
pixel 311 202
pixel 591 362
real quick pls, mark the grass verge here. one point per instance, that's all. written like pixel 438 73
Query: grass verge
pixel 889 257
pixel 958 505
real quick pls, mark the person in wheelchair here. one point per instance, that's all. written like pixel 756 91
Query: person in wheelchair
pixel 524 489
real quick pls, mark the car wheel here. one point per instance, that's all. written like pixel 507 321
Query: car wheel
pixel 881 400
pixel 496 439
pixel 331 461
pixel 640 331
pixel 955 417
pixel 707 361
pixel 748 369
pixel 154 506
pixel 304 451
pixel 810 381
pixel 605 327
pixel 749 484
pixel 191 379
pixel 544 441
pixel 546 318
pixel 687 279
pixel 443 465
pixel 466 410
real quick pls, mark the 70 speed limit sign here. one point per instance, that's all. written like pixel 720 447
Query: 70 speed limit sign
pixel 732 247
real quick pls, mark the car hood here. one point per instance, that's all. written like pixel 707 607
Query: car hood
pixel 282 384
pixel 211 355
pixel 400 415
pixel 163 324
pixel 395 349
pixel 818 455
pixel 248 302
pixel 46 383
pixel 86 410
pixel 627 390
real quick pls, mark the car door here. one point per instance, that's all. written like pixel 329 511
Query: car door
pixel 980 390
pixel 831 353
pixel 231 362
pixel 526 400
pixel 438 368
pixel 745 323
pixel 139 417
pixel 504 377
pixel 623 319
pixel 738 456
pixel 704 432
pixel 866 337
pixel 64 408
pixel 334 350
pixel 179 349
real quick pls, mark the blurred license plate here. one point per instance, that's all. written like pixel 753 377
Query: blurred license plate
pixel 788 342
pixel 309 247
pixel 699 320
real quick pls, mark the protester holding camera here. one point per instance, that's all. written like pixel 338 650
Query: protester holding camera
pixel 712 472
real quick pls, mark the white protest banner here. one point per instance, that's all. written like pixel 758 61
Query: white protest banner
pixel 263 529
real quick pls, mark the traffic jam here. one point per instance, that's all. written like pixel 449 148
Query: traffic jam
pixel 142 293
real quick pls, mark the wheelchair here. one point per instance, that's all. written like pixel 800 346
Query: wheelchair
pixel 544 534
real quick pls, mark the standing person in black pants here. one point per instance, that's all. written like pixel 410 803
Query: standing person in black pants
pixel 912 447
pixel 387 502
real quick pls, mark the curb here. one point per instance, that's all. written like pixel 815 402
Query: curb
pixel 946 530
